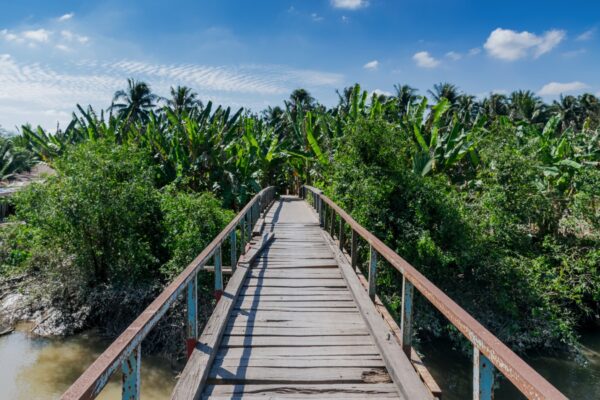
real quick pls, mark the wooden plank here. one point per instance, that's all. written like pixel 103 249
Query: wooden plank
pixel 293 341
pixel 359 390
pixel 193 377
pixel 237 330
pixel 249 303
pixel 309 351
pixel 301 362
pixel 398 365
pixel 261 375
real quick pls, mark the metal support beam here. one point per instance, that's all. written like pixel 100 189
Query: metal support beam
pixel 243 235
pixel 218 274
pixel 354 250
pixel 192 315
pixel 131 375
pixel 406 324
pixel 341 234
pixel 372 272
pixel 233 249
pixel 483 376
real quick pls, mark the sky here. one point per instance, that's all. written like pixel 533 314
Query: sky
pixel 253 53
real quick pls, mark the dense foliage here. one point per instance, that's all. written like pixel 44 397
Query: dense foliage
pixel 496 201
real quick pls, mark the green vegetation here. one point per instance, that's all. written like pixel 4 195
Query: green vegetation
pixel 496 201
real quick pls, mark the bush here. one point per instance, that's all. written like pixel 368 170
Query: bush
pixel 101 211
pixel 190 222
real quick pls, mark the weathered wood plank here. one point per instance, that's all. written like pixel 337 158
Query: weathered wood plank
pixel 308 351
pixel 271 330
pixel 360 390
pixel 398 365
pixel 301 362
pixel 194 375
pixel 294 341
pixel 261 375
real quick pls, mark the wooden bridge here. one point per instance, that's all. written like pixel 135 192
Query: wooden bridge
pixel 298 319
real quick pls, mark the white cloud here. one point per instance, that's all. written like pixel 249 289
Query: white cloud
pixel 371 65
pixel 38 35
pixel 66 17
pixel 63 47
pixel 349 4
pixel 574 53
pixel 425 60
pixel 453 55
pixel 556 88
pixel 510 45
pixel 316 17
pixel 587 35
pixel 345 19
pixel 474 51
pixel 70 37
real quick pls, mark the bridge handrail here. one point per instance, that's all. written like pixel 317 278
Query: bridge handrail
pixel 486 346
pixel 125 350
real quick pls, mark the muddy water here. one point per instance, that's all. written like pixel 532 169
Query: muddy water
pixel 42 369
pixel 577 379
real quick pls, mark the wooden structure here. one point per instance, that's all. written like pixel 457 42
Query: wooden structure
pixel 298 319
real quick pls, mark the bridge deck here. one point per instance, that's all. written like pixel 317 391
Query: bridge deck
pixel 294 327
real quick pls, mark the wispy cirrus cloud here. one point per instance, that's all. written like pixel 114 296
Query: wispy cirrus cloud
pixel 371 65
pixel 587 35
pixel 65 17
pixel 48 94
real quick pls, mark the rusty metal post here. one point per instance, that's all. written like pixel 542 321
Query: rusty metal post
pixel 406 322
pixel 354 250
pixel 249 225
pixel 341 234
pixel 233 249
pixel 218 274
pixel 131 375
pixel 242 235
pixel 483 376
pixel 192 315
pixel 372 272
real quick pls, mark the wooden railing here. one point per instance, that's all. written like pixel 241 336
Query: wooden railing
pixel 488 350
pixel 125 351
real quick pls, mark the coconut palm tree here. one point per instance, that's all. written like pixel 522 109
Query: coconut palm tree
pixel 526 106
pixel 183 100
pixel 134 103
pixel 568 108
pixel 406 96
pixel 445 90
pixel 494 106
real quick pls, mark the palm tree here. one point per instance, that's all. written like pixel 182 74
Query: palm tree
pixel 494 106
pixel 567 107
pixel 445 90
pixel 183 99
pixel 406 96
pixel 301 99
pixel 526 106
pixel 467 108
pixel 135 103
pixel 590 108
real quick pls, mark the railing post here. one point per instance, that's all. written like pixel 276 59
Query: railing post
pixel 323 214
pixel 233 249
pixel 192 315
pixel 372 272
pixel 243 235
pixel 354 250
pixel 483 376
pixel 406 322
pixel 249 225
pixel 131 375
pixel 332 223
pixel 218 274
pixel 341 233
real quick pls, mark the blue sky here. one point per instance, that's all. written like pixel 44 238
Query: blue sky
pixel 55 54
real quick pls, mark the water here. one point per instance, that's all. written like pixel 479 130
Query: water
pixel 577 380
pixel 42 369
pixel 39 368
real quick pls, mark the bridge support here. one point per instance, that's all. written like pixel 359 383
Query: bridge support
pixel 483 376
pixel 372 272
pixel 192 315
pixel 407 316
pixel 131 375
pixel 218 274
pixel 233 250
